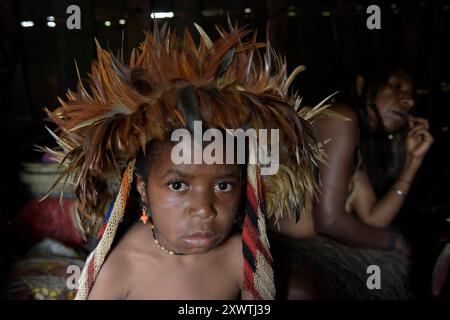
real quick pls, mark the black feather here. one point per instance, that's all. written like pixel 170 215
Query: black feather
pixel 225 63
pixel 187 104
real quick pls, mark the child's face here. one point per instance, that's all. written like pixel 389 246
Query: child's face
pixel 193 206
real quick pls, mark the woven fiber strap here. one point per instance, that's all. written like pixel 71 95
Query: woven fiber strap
pixel 258 264
pixel 95 260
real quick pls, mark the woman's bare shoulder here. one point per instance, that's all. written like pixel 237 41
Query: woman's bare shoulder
pixel 345 110
pixel 339 129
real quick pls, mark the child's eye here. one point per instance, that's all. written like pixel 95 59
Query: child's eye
pixel 223 187
pixel 177 186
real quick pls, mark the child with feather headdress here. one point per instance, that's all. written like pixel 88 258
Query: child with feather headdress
pixel 201 224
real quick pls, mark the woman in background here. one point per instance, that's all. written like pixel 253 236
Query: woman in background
pixel 372 161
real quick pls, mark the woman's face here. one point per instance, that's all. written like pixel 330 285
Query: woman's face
pixel 193 206
pixel 394 101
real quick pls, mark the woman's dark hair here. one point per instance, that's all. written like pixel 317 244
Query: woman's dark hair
pixel 383 154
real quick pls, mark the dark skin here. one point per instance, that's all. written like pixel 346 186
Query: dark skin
pixel 193 208
pixel 328 215
pixel 367 229
pixel 394 102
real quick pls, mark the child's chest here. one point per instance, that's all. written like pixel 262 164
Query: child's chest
pixel 214 280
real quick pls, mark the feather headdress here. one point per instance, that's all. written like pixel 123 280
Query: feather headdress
pixel 168 83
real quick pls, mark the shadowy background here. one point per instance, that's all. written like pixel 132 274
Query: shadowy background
pixel 37 65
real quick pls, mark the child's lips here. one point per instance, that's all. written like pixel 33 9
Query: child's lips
pixel 201 238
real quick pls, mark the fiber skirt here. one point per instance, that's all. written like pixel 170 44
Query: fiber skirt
pixel 347 271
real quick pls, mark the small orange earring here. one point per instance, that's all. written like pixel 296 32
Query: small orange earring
pixel 144 215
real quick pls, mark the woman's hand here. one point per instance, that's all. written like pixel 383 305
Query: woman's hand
pixel 419 139
pixel 418 142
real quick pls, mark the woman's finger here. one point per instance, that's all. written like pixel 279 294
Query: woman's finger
pixel 420 121
pixel 426 135
pixel 417 128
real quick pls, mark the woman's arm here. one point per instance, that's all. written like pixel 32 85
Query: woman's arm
pixel 380 213
pixel 330 217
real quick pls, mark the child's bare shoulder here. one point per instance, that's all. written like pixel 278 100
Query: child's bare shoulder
pixel 111 282
pixel 113 279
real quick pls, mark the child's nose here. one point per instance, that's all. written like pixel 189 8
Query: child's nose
pixel 202 207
